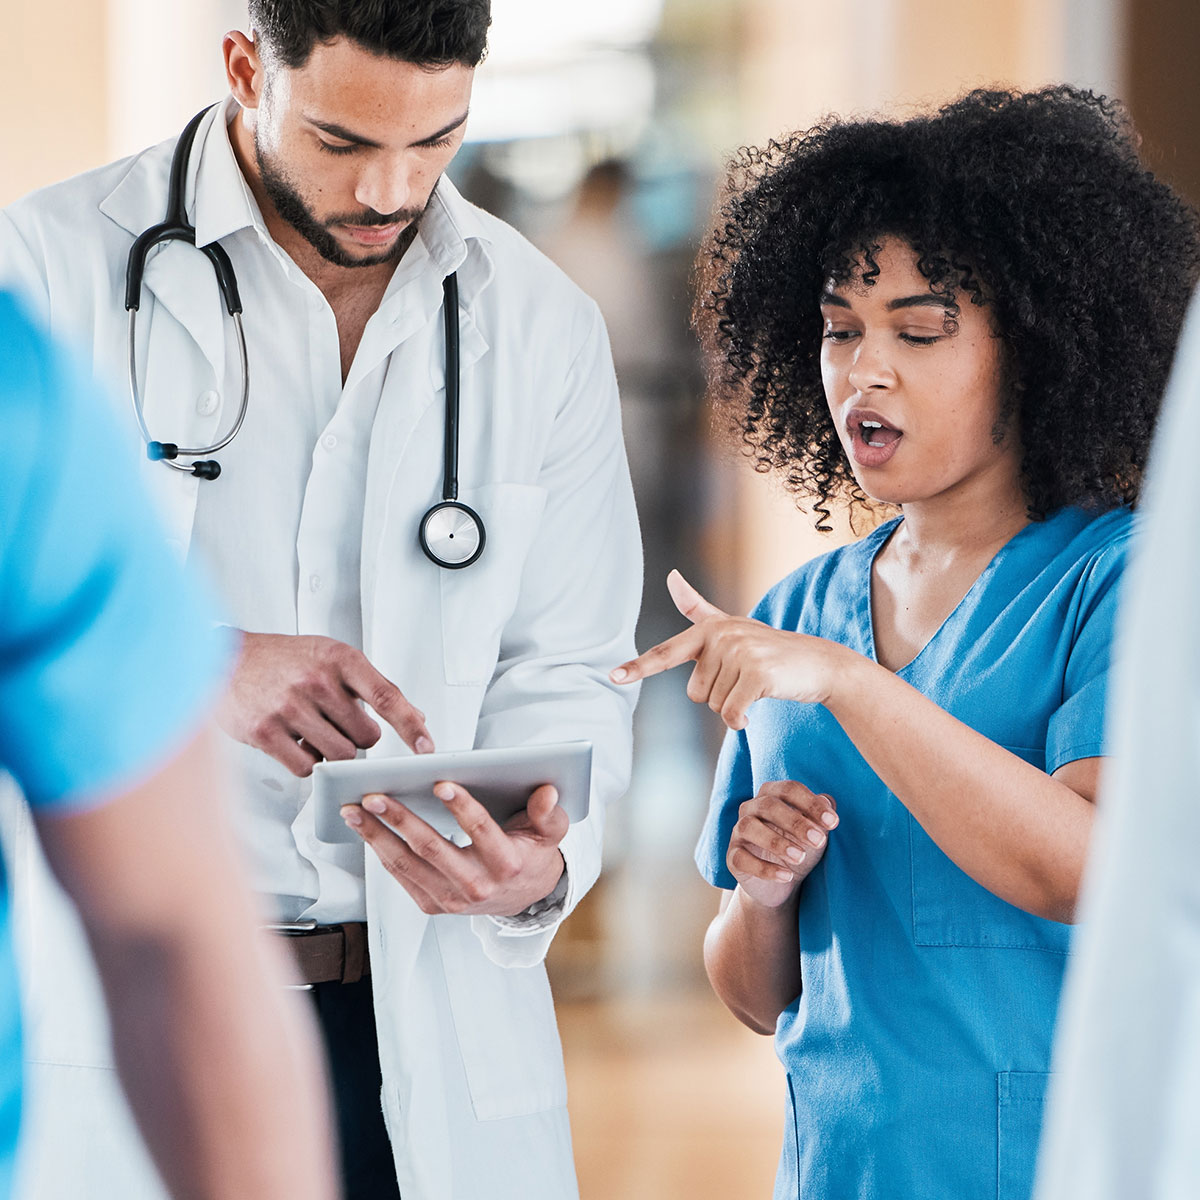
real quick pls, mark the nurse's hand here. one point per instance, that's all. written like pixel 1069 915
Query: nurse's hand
pixel 738 660
pixel 779 837
pixel 297 698
pixel 502 872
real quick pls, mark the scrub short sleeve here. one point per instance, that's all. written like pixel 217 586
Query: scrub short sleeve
pixel 733 785
pixel 107 658
pixel 1076 728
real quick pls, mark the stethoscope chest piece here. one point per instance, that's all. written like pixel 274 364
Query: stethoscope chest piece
pixel 452 535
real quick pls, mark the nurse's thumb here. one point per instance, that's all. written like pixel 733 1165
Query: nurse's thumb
pixel 689 601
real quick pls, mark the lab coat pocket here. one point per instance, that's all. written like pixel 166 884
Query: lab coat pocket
pixel 1020 1096
pixel 478 600
pixel 950 909
pixel 505 1027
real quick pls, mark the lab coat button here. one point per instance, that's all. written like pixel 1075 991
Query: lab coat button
pixel 206 405
pixel 314 582
pixel 329 441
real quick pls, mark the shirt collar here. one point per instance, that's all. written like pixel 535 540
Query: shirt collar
pixel 223 203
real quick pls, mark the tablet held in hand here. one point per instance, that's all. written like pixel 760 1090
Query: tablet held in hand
pixel 502 780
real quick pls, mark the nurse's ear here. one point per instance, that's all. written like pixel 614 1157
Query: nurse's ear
pixel 244 69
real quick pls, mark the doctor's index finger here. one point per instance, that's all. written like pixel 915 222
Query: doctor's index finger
pixel 389 702
pixel 674 652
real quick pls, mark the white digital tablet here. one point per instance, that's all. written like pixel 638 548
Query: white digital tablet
pixel 501 780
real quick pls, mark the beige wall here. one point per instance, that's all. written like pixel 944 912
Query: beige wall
pixel 52 83
pixel 86 81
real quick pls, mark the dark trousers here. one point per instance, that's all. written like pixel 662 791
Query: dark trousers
pixel 347 1022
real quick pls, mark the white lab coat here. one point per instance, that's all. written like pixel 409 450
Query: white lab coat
pixel 1124 1105
pixel 514 649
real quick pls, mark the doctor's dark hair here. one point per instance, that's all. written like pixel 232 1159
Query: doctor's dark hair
pixel 1033 204
pixel 429 33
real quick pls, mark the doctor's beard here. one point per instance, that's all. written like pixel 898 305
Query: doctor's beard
pixel 292 208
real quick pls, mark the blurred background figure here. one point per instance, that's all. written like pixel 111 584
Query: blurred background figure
pixel 669 1096
pixel 108 668
pixel 1125 1104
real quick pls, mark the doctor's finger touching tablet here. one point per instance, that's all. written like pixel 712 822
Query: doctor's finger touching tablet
pixel 299 699
pixel 501 872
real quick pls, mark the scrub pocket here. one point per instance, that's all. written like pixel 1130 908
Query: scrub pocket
pixel 950 909
pixel 1020 1096
pixel 478 600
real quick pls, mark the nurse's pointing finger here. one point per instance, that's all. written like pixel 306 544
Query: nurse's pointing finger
pixel 683 647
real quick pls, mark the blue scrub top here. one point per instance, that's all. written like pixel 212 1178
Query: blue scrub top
pixel 107 660
pixel 917 1053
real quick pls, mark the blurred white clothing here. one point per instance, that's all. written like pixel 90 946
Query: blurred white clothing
pixel 1123 1121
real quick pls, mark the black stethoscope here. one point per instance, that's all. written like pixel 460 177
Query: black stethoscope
pixel 451 534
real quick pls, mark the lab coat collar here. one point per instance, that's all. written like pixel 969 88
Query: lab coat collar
pixel 216 196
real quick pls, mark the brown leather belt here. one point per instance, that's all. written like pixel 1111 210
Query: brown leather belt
pixel 328 953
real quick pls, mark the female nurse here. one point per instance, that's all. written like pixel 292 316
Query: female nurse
pixel 968 317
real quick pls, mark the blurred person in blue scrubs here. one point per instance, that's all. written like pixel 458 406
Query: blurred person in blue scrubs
pixel 1124 1106
pixel 109 668
pixel 968 316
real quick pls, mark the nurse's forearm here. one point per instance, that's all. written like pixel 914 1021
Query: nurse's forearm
pixel 752 957
pixel 1019 832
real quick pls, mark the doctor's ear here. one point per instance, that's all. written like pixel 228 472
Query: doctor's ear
pixel 243 68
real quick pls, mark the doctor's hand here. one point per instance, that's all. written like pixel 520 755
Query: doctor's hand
pixel 502 872
pixel 297 698
pixel 780 835
pixel 738 660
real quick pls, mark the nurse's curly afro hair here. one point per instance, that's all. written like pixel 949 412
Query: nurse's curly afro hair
pixel 1034 204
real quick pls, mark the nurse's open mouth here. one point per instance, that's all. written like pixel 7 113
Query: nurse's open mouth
pixel 875 433
pixel 872 439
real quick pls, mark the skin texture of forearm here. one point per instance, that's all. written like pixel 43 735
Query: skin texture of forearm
pixel 219 1060
pixel 752 958
pixel 1020 833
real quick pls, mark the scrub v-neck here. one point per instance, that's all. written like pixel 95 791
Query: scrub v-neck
pixel 882 536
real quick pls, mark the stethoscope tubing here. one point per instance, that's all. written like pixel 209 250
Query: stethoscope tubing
pixel 177 228
pixel 444 523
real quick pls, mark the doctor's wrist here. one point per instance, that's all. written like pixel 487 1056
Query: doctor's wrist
pixel 541 914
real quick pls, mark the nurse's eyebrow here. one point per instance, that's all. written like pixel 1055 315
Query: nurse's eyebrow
pixel 347 135
pixel 920 301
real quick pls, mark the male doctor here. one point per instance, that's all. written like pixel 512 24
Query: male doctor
pixel 322 179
